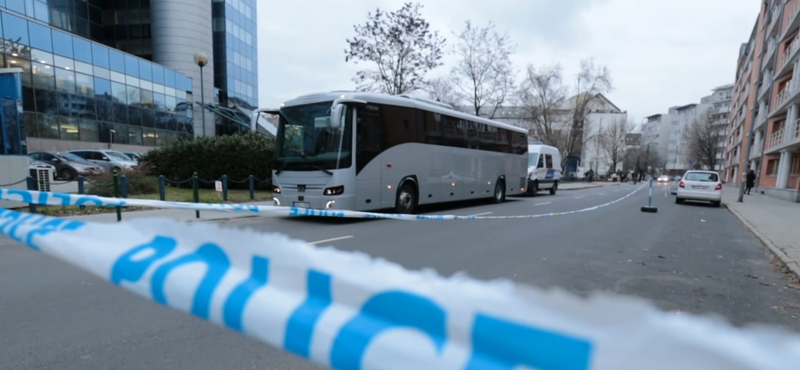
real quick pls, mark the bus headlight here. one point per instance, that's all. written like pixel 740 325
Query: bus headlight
pixel 276 190
pixel 338 190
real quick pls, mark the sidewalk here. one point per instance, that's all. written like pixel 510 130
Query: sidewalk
pixel 176 214
pixel 773 221
pixel 586 185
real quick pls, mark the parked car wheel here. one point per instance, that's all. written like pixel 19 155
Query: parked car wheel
pixel 67 174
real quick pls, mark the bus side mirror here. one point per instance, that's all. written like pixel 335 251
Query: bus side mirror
pixel 336 116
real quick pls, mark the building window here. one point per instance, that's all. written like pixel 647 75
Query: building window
pixel 795 167
pixel 772 167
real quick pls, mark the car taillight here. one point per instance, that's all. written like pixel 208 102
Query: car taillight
pixel 719 187
pixel 682 185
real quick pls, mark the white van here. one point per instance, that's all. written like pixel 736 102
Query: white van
pixel 544 169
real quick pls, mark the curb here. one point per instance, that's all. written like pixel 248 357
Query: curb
pixel 794 266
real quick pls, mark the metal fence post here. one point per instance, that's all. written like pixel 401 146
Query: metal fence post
pixel 252 187
pixel 116 195
pixel 195 192
pixel 124 184
pixel 31 186
pixel 225 188
pixel 81 187
pixel 162 192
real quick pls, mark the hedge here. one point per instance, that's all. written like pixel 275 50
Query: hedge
pixel 237 156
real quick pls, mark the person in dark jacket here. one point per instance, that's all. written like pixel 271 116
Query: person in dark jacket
pixel 751 182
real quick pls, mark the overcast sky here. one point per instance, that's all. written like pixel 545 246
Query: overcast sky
pixel 660 53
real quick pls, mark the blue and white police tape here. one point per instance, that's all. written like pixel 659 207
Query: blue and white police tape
pixel 60 199
pixel 348 311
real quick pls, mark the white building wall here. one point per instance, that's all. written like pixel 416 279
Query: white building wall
pixel 593 156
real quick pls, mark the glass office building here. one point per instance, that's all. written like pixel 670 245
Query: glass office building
pixel 236 57
pixel 79 91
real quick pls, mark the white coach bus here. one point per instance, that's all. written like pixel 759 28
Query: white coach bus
pixel 363 151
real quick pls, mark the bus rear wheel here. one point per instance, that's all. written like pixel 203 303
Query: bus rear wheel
pixel 499 192
pixel 406 200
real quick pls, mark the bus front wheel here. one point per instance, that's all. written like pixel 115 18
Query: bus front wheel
pixel 500 192
pixel 406 199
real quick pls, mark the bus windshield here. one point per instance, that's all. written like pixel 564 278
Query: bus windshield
pixel 305 142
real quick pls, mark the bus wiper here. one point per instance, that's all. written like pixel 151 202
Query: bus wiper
pixel 320 168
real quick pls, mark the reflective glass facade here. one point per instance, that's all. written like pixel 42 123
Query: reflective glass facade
pixel 76 89
pixel 235 52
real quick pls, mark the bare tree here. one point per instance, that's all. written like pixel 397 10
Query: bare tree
pixel 701 141
pixel 612 141
pixel 541 96
pixel 402 47
pixel 441 90
pixel 590 83
pixel 483 74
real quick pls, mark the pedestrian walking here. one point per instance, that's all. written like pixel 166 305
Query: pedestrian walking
pixel 751 182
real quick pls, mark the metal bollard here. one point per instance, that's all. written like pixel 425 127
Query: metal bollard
pixel 162 191
pixel 31 186
pixel 81 187
pixel 225 188
pixel 116 195
pixel 252 187
pixel 195 191
pixel 124 185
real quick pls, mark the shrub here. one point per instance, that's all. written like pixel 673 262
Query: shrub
pixel 138 183
pixel 237 156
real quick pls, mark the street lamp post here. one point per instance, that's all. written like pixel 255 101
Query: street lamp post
pixel 111 140
pixel 201 59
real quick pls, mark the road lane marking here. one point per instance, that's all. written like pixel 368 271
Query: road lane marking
pixel 481 214
pixel 331 240
pixel 580 197
pixel 541 204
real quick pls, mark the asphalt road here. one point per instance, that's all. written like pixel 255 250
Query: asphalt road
pixel 691 257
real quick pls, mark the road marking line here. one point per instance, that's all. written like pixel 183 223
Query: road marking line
pixel 541 204
pixel 580 197
pixel 481 214
pixel 331 240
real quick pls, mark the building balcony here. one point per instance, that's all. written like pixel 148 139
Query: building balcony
pixel 789 55
pixel 769 57
pixel 775 139
pixel 784 97
pixel 766 85
pixel 761 118
pixel 772 28
pixel 785 138
pixel 794 20
pixel 755 151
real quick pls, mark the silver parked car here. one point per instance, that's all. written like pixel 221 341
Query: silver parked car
pixel 68 166
pixel 110 160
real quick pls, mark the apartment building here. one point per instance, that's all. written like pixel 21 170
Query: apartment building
pixel 665 134
pixel 766 104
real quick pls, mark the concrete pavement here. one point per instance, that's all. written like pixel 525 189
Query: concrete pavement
pixel 773 221
pixel 689 257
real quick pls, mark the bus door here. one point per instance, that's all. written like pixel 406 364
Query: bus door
pixel 369 145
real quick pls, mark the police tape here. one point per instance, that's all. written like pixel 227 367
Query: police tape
pixel 61 199
pixel 348 311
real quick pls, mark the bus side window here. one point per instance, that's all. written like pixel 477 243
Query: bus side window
pixel 368 131
pixel 549 160
pixel 433 131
